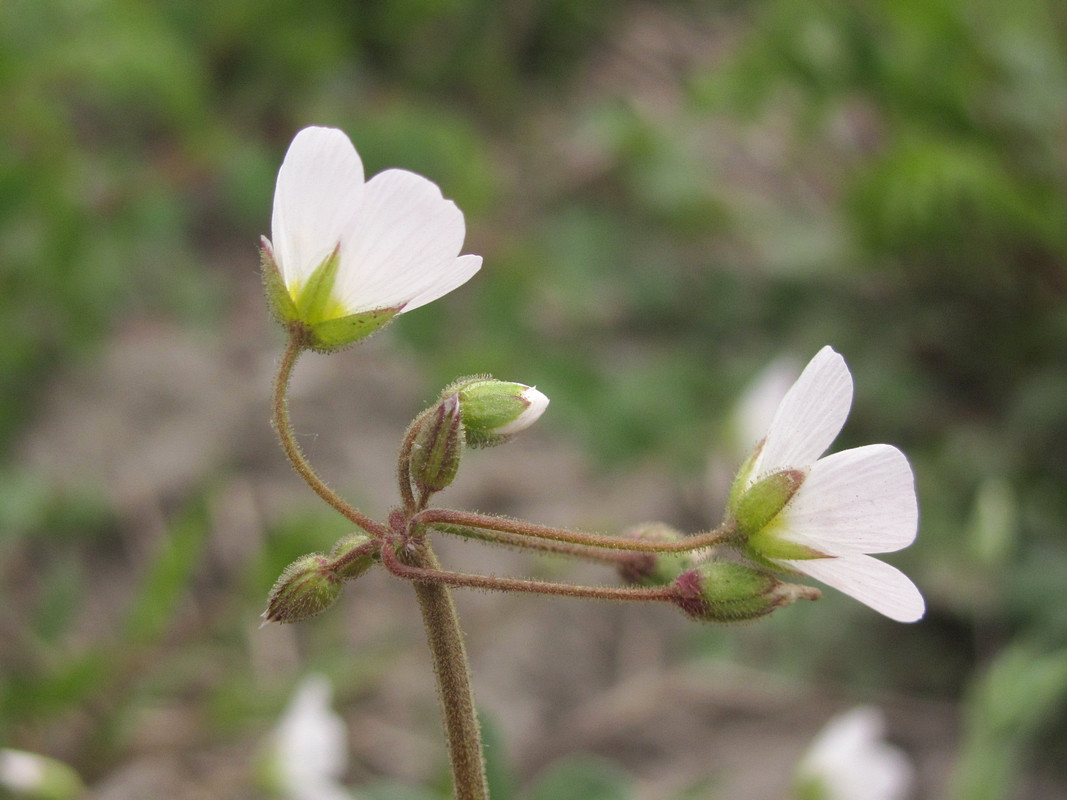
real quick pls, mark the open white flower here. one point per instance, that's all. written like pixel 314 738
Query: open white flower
pixel 849 760
pixel 832 511
pixel 347 255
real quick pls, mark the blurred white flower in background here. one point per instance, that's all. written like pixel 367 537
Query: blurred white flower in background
pixel 849 760
pixel 310 745
pixel 29 775
pixel 748 422
pixel 754 411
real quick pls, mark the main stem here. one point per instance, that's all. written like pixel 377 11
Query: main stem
pixel 450 664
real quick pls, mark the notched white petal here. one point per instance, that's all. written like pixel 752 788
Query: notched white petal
pixel 316 199
pixel 404 245
pixel 856 501
pixel 452 276
pixel 810 415
pixel 874 583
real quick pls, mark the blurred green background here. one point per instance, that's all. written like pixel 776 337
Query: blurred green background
pixel 668 196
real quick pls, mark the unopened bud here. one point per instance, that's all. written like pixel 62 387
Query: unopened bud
pixel 352 556
pixel 652 569
pixel 493 411
pixel 306 587
pixel 438 445
pixel 724 591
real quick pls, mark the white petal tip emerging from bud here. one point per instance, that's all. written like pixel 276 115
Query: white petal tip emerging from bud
pixel 536 403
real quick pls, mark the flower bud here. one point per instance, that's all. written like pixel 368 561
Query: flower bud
pixel 352 556
pixel 493 411
pixel 724 591
pixel 653 569
pixel 306 587
pixel 438 445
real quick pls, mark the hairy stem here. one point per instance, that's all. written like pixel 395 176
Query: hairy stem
pixel 421 573
pixel 436 516
pixel 284 428
pixel 598 554
pixel 445 638
pixel 403 468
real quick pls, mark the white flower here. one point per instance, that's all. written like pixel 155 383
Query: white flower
pixel 24 774
pixel 849 760
pixel 311 745
pixel 847 505
pixel 396 239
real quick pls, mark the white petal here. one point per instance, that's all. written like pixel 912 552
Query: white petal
pixel 874 583
pixel 450 277
pixel 844 738
pixel 537 402
pixel 311 738
pixel 403 247
pixel 856 501
pixel 851 761
pixel 317 197
pixel 810 415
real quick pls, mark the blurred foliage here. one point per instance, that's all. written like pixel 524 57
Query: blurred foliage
pixel 889 177
pixel 1009 705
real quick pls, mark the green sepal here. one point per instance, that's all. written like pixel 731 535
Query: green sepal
pixel 763 500
pixel 315 316
pixel 724 591
pixel 737 488
pixel 305 588
pixel 337 333
pixel 495 409
pixel 280 301
pixel 314 300
pixel 488 404
pixel 767 544
pixel 653 568
pixel 438 446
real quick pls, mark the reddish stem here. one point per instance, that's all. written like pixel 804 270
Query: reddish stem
pixel 284 428
pixel 488 522
pixel 466 580
pixel 503 539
